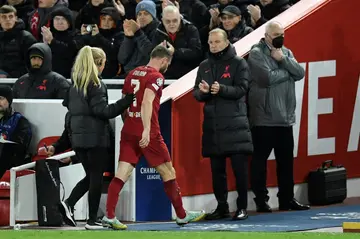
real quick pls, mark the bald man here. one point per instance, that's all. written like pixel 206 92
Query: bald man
pixel 272 106
pixel 182 39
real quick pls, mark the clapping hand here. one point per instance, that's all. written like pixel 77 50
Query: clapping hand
pixel 204 87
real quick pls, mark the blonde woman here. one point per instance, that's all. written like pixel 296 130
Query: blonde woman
pixel 87 102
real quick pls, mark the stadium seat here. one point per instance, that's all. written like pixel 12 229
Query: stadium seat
pixel 45 141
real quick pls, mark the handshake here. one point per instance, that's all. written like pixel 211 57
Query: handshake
pixel 205 88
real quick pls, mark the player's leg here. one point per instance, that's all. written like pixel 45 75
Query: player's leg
pixel 172 189
pixel 157 155
pixel 129 156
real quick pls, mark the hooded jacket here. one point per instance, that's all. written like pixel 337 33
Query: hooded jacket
pixel 41 83
pixel 63 46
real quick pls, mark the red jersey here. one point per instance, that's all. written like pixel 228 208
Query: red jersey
pixel 139 79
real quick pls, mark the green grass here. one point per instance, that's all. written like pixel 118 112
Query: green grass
pixel 38 234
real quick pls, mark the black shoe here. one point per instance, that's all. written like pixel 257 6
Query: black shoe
pixel 93 225
pixel 240 215
pixel 263 207
pixel 67 213
pixel 218 214
pixel 293 205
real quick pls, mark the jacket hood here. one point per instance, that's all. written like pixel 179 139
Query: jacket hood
pixel 64 12
pixel 46 66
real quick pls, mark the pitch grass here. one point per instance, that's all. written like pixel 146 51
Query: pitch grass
pixel 38 234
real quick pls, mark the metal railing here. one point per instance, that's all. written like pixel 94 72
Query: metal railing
pixel 13 182
pixel 106 81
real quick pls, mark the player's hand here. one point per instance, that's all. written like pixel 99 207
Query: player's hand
pixel 215 88
pixel 145 139
pixel 204 87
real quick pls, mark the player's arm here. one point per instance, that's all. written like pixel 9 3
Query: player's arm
pixel 147 108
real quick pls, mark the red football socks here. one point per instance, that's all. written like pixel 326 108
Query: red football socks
pixel 113 195
pixel 173 192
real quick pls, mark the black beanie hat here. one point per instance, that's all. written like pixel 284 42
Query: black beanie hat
pixel 6 91
pixel 36 53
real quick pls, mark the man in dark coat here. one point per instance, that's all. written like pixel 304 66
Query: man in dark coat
pixel 222 84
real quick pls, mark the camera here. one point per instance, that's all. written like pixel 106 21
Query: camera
pixel 89 28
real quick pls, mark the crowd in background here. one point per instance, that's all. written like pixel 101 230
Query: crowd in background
pixel 126 30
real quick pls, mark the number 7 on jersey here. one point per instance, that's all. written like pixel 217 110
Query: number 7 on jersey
pixel 136 84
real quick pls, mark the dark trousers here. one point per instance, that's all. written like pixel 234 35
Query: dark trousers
pixel 93 162
pixel 282 141
pixel 239 163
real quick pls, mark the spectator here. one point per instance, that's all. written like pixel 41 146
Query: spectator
pixel 226 131
pixel 41 82
pixel 130 6
pixel 183 41
pixel 90 13
pixel 41 16
pixel 233 23
pixel 137 45
pixel 23 8
pixel 194 11
pixel 108 36
pixel 197 13
pixel 14 43
pixel 76 5
pixel 208 3
pixel 64 3
pixel 266 10
pixel 220 5
pixel 60 38
pixel 272 106
pixel 13 127
pixel 216 9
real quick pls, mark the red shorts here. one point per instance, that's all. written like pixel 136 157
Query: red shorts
pixel 156 153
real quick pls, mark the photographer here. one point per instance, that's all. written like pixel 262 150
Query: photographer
pixel 107 36
pixel 90 13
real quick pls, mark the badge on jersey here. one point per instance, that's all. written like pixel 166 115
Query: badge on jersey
pixel 159 81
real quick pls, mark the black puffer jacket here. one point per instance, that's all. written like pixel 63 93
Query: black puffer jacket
pixel 90 115
pixel 226 127
pixel 13 47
